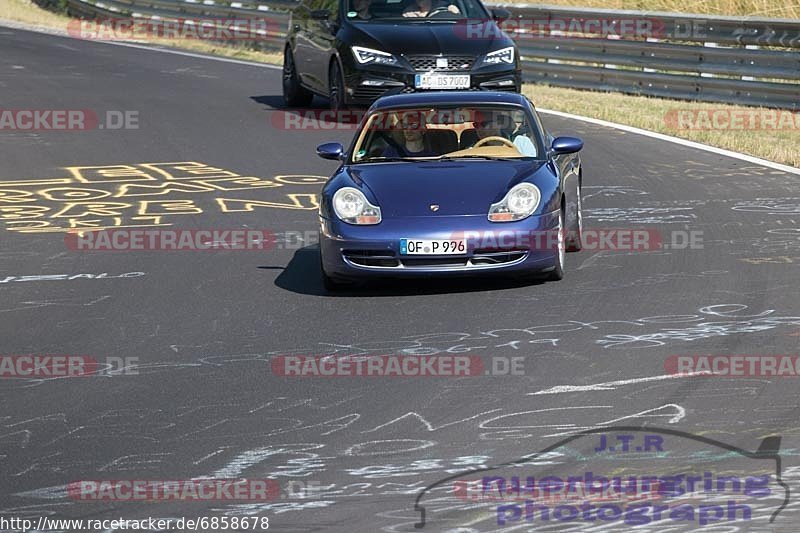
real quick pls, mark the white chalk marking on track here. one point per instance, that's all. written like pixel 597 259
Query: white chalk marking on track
pixel 610 385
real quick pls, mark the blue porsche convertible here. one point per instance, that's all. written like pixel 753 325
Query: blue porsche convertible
pixel 443 184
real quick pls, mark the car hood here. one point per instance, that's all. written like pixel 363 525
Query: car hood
pixel 411 38
pixel 458 188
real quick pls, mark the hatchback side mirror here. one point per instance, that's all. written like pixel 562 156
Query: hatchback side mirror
pixel 334 151
pixel 499 14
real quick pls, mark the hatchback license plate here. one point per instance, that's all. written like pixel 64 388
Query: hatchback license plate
pixel 441 81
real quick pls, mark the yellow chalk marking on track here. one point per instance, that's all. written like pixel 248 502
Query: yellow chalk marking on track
pixel 110 174
pixel 33 183
pixel 83 202
pixel 299 201
pixel 187 170
pixel 301 180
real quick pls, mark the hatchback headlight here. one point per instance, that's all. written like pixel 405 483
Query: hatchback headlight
pixel 504 55
pixel 520 202
pixel 351 206
pixel 369 55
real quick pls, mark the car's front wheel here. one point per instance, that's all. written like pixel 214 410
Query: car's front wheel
pixel 575 235
pixel 557 273
pixel 336 88
pixel 294 94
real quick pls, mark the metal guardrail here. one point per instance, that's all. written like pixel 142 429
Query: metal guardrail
pixel 738 60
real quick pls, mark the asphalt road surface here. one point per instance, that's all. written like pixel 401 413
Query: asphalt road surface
pixel 188 338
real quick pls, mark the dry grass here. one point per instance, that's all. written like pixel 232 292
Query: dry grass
pixel 642 112
pixel 754 8
pixel 660 115
pixel 29 13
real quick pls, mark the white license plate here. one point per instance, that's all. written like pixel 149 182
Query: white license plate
pixel 441 81
pixel 432 247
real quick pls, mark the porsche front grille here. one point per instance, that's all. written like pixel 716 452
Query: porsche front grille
pixel 386 259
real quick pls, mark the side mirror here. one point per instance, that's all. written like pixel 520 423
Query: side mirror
pixel 499 14
pixel 320 14
pixel 566 145
pixel 334 151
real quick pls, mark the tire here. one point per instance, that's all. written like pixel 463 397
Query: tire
pixel 557 274
pixel 294 94
pixel 575 236
pixel 336 89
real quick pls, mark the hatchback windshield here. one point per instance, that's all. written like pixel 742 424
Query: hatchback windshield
pixel 371 10
pixel 484 132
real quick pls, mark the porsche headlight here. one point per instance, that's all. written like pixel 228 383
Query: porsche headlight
pixel 370 55
pixel 351 206
pixel 504 55
pixel 520 202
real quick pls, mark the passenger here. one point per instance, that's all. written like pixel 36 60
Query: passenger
pixel 415 142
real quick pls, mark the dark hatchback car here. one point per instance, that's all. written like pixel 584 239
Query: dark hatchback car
pixel 355 51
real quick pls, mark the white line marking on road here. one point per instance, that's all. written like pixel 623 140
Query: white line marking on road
pixel 198 56
pixel 674 418
pixel 675 140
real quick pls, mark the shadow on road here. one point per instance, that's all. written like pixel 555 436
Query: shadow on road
pixel 318 110
pixel 303 276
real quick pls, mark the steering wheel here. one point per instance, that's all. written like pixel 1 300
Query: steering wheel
pixel 494 138
pixel 439 11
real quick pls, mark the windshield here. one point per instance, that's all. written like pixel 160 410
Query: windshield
pixel 476 132
pixel 372 10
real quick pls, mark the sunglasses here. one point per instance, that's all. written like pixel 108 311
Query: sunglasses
pixel 489 124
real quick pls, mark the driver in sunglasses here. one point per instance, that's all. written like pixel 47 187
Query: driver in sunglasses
pixel 500 124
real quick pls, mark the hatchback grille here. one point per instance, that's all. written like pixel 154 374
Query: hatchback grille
pixel 429 63
pixel 369 93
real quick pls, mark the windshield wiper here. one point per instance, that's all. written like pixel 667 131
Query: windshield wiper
pixel 486 157
pixel 382 159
